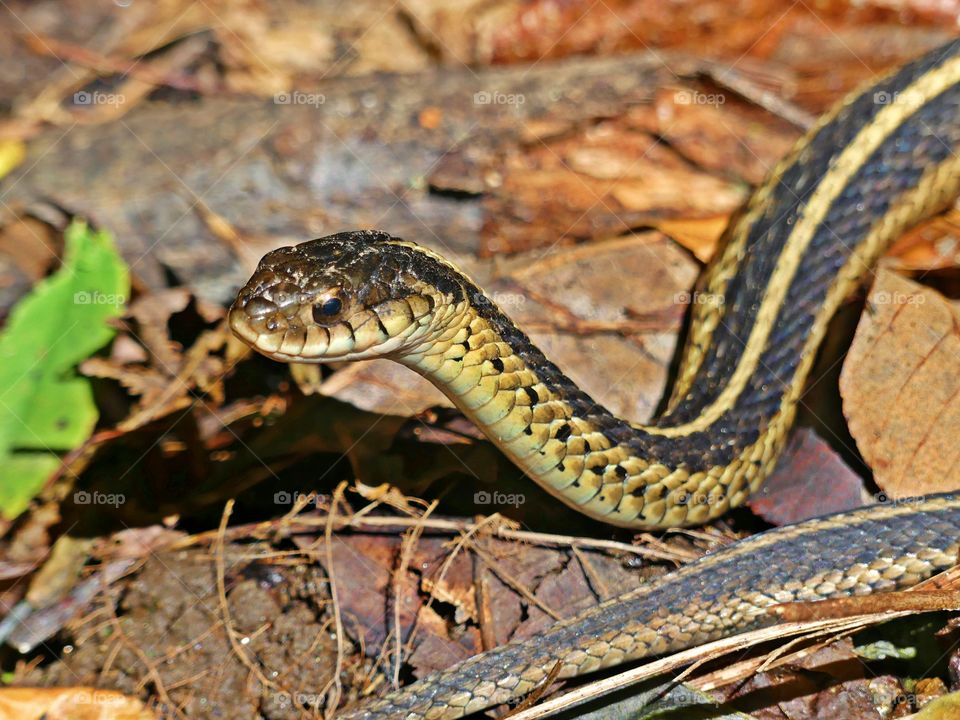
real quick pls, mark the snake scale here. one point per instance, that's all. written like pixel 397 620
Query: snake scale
pixel 879 162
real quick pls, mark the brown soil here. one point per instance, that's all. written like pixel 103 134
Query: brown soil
pixel 167 639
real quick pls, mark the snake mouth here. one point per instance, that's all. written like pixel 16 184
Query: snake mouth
pixel 284 315
pixel 273 338
pixel 289 339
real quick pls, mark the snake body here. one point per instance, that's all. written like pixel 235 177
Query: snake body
pixel 882 160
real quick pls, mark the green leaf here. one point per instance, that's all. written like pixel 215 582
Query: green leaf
pixel 946 707
pixel 45 407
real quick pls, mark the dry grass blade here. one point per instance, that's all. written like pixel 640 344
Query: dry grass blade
pixel 409 544
pixel 232 634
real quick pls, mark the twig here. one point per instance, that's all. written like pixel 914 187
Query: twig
pixel 334 601
pixel 651 541
pixel 308 524
pixel 766 99
pixel 590 572
pixel 513 582
pixel 462 540
pixel 630 677
pixel 225 608
pixel 538 691
pixel 407 546
pixel 108 64
pixel 852 606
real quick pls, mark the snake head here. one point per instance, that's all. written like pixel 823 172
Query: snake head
pixel 349 296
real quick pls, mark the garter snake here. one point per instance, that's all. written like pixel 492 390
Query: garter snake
pixel 883 159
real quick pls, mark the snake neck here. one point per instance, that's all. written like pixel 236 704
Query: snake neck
pixel 577 450
pixel 537 416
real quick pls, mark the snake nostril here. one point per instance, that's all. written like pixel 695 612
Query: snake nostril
pixel 259 307
pixel 274 324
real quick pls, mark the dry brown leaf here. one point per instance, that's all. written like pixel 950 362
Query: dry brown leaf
pixel 637 285
pixel 268 48
pixel 502 608
pixel 60 572
pixel 933 245
pixel 568 590
pixel 146 382
pixel 810 480
pixel 840 39
pixel 698 235
pixel 31 245
pixel 718 132
pixel 447 581
pixel 601 181
pixel 901 387
pixel 72 703
pixel 508 31
pixel 263 49
pixel 153 312
pixel 383 387
pixel 135 543
pixel 163 393
pixel 438 651
pixel 931 10
pixel 134 89
pixel 363 570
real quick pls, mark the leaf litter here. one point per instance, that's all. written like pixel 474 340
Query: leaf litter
pixel 304 594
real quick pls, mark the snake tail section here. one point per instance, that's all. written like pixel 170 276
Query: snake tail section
pixel 882 548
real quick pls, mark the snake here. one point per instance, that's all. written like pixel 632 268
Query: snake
pixel 882 160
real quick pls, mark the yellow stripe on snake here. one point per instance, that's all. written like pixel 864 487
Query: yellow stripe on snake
pixel 882 160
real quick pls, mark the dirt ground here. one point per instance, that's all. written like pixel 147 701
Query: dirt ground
pixel 168 638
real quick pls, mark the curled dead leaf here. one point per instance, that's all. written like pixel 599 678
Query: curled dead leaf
pixel 901 387
pixel 72 703
pixel 933 245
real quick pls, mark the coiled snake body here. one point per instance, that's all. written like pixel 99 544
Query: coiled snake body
pixel 879 162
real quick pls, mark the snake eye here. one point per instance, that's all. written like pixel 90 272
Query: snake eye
pixel 327 309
